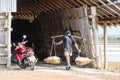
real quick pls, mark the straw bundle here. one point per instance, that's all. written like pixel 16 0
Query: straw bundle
pixel 52 60
pixel 80 61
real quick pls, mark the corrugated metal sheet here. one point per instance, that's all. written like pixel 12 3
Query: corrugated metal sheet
pixel 8 5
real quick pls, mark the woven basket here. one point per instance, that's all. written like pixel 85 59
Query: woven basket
pixel 80 61
pixel 52 60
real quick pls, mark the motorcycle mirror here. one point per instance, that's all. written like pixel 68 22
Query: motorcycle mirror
pixel 14 44
pixel 24 36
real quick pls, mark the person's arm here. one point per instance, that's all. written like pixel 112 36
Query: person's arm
pixel 58 43
pixel 76 46
pixel 74 42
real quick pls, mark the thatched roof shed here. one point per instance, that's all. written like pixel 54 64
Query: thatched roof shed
pixel 41 19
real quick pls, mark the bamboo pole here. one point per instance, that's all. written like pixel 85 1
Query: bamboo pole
pixel 63 35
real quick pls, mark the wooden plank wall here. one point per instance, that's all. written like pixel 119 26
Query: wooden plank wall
pixel 55 22
pixel 3 40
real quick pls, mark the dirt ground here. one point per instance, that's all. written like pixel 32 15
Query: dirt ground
pixel 56 72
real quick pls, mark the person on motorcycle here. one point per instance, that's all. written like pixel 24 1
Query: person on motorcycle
pixel 68 41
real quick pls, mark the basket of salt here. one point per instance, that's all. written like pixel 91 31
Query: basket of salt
pixel 52 60
pixel 80 61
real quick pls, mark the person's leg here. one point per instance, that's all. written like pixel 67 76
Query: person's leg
pixel 67 57
pixel 68 60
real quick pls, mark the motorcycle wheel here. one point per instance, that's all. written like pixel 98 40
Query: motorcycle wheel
pixel 32 65
pixel 21 65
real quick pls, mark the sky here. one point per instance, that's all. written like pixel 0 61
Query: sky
pixel 111 31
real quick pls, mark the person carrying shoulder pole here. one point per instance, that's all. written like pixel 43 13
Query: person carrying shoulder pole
pixel 68 41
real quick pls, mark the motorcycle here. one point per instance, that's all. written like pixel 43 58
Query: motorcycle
pixel 25 55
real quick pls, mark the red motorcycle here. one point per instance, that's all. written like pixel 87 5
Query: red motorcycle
pixel 25 55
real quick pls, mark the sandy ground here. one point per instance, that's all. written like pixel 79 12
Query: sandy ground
pixel 114 66
pixel 56 72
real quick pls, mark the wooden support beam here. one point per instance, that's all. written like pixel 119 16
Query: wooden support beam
pixel 24 8
pixel 3 46
pixel 105 47
pixel 72 2
pixel 114 5
pixel 79 2
pixel 97 9
pixel 67 2
pixel 95 39
pixel 85 4
pixel 59 4
pixel 35 6
pixel 5 29
pixel 9 40
pixel 109 7
pixel 46 4
pixel 63 4
pixel 42 5
pixel 98 6
pixel 3 17
pixel 27 6
pixel 54 4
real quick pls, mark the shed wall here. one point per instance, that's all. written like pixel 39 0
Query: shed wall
pixel 54 23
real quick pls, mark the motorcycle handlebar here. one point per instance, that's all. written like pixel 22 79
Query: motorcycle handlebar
pixel 20 43
pixel 24 42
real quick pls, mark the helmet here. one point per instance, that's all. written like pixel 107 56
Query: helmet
pixel 68 33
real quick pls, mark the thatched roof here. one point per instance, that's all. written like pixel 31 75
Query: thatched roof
pixel 108 11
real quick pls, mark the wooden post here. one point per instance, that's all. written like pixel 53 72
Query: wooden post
pixel 9 40
pixel 95 39
pixel 105 46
